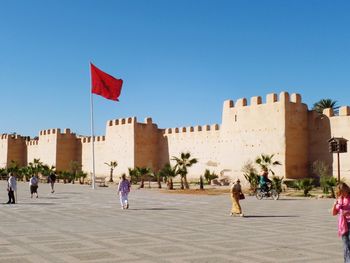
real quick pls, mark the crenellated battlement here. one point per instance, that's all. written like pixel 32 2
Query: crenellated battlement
pixel 343 111
pixel 6 136
pixel 50 131
pixel 214 127
pixel 270 99
pixel 32 142
pixel 96 139
pixel 122 121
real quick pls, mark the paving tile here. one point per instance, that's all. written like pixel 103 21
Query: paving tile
pixel 78 224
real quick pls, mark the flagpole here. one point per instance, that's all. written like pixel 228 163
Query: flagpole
pixel 92 138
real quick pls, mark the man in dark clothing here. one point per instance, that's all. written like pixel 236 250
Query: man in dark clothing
pixel 52 180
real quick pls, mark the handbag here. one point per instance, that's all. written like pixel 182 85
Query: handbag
pixel 241 196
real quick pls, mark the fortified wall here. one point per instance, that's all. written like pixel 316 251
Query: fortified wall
pixel 54 147
pixel 281 125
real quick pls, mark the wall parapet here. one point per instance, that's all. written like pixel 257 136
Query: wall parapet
pixel 32 142
pixel 14 136
pixel 122 121
pixel 343 111
pixel 89 139
pixel 191 129
pixel 270 99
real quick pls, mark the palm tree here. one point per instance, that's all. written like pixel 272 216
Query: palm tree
pixel 325 104
pixel 13 167
pixel 182 164
pixel 168 172
pixel 112 165
pixel 74 168
pixel 158 177
pixel 47 170
pixel 81 175
pixel 142 173
pixel 265 162
pixel 3 173
pixel 134 176
pixel 35 167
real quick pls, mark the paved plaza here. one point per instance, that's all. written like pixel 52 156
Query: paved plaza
pixel 78 224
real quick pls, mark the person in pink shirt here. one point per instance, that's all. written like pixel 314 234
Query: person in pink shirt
pixel 123 190
pixel 341 207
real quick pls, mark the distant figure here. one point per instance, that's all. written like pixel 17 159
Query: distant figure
pixel 52 180
pixel 264 180
pixel 33 185
pixel 236 192
pixel 341 207
pixel 11 188
pixel 123 190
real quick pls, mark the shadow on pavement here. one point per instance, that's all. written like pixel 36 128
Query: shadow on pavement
pixel 28 204
pixel 53 197
pixel 260 216
pixel 152 208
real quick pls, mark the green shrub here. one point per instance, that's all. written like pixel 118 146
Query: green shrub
pixel 328 183
pixel 305 185
pixel 209 176
pixel 277 183
pixel 251 175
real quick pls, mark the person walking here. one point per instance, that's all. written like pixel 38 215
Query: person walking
pixel 33 185
pixel 52 180
pixel 11 188
pixel 236 195
pixel 123 190
pixel 341 207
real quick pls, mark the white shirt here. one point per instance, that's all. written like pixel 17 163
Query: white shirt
pixel 33 181
pixel 12 183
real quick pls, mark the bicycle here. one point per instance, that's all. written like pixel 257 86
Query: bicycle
pixel 266 192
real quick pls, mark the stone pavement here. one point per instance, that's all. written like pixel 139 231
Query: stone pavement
pixel 78 224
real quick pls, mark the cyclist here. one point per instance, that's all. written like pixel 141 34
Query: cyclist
pixel 264 180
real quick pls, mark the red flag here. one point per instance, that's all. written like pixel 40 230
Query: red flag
pixel 104 84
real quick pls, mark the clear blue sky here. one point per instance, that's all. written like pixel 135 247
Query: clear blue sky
pixel 179 59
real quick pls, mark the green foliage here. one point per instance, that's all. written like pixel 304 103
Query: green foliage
pixel 305 185
pixel 3 173
pixel 142 173
pixel 13 167
pixel 277 183
pixel 327 184
pixel 35 167
pixel 327 181
pixel 134 175
pixel 74 169
pixel 209 176
pixel 112 165
pixel 81 176
pixel 182 163
pixel 65 176
pixel 265 162
pixel 47 170
pixel 322 104
pixel 251 175
pixel 168 173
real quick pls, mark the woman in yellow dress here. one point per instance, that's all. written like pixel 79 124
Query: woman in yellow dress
pixel 236 191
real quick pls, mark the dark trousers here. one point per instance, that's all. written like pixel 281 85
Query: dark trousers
pixel 11 196
pixel 346 243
